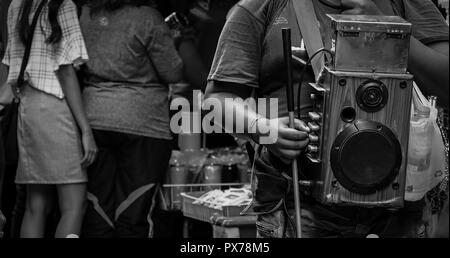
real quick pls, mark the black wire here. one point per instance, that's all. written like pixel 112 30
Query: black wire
pixel 302 76
pixel 289 220
pixel 286 211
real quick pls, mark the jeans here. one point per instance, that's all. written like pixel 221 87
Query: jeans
pixel 273 203
pixel 324 222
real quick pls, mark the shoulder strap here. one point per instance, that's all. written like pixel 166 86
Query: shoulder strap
pixel 399 7
pixel 26 56
pixel 309 27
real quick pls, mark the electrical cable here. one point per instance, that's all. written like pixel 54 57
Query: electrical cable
pixel 302 76
pixel 286 210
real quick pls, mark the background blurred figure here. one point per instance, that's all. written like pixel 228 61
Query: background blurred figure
pixel 6 183
pixel 196 43
pixel 132 61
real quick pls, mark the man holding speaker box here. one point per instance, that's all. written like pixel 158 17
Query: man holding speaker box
pixel 249 63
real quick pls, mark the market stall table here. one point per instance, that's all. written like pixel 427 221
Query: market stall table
pixel 234 227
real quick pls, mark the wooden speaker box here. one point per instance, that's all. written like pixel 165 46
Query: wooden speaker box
pixel 360 125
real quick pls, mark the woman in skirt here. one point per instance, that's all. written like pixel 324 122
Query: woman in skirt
pixel 56 143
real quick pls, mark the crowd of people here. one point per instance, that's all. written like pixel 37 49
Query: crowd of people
pixel 115 132
pixel 93 128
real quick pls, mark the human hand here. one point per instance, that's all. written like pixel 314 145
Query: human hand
pixel 90 149
pixel 360 7
pixel 15 90
pixel 289 143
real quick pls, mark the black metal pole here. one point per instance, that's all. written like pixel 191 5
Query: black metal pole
pixel 287 47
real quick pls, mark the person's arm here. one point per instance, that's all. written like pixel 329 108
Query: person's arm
pixel 184 34
pixel 6 94
pixel 235 74
pixel 73 52
pixel 194 70
pixel 286 143
pixel 71 88
pixel 161 49
pixel 428 63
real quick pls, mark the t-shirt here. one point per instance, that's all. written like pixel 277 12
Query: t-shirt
pixel 45 59
pixel 132 61
pixel 250 50
pixel 250 53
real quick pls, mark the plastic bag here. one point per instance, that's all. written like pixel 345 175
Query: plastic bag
pixel 421 180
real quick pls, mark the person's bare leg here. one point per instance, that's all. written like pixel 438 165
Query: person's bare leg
pixel 38 206
pixel 72 204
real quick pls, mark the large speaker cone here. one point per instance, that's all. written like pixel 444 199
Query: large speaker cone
pixel 366 157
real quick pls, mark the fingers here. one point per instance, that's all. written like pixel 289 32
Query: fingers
pixel 293 145
pixel 300 125
pixel 89 158
pixel 84 160
pixel 15 91
pixel 292 134
pixel 291 142
pixel 92 157
pixel 300 132
pixel 290 150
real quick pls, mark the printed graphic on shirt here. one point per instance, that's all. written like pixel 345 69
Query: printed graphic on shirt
pixel 280 20
pixel 103 21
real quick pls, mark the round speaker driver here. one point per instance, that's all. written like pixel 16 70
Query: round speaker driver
pixel 366 157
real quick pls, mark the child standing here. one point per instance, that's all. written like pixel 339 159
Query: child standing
pixel 55 140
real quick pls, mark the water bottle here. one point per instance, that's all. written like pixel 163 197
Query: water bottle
pixel 421 135
pixel 178 175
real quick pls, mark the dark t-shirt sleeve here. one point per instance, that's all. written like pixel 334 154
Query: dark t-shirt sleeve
pixel 429 25
pixel 238 54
